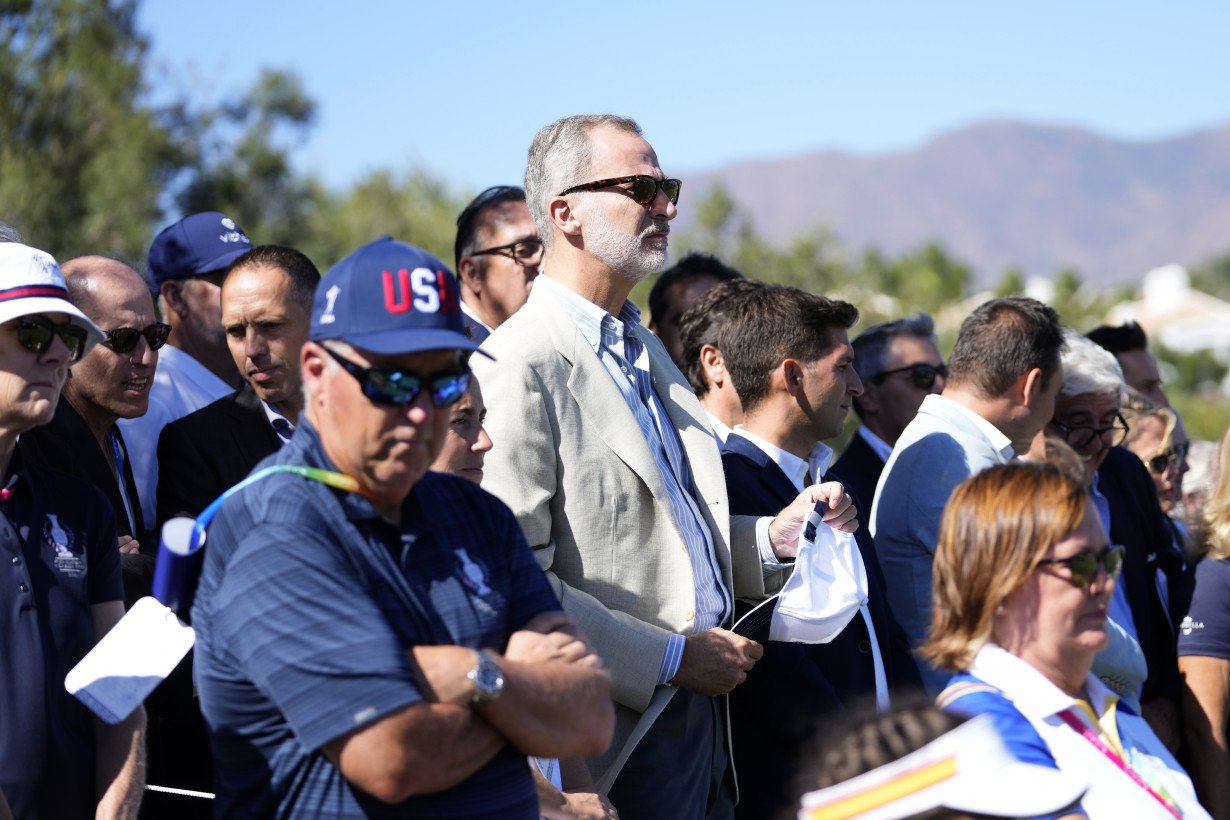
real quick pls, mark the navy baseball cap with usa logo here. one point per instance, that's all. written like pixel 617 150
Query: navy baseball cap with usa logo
pixel 194 246
pixel 390 298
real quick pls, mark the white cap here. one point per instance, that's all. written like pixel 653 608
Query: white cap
pixel 31 282
pixel 967 769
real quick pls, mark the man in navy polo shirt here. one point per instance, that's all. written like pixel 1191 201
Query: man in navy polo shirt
pixel 62 584
pixel 391 649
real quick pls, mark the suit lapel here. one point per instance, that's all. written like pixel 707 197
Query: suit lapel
pixel 597 396
pixel 771 476
pixel 250 428
pixel 688 418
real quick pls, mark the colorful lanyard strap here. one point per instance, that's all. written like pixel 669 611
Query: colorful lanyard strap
pixel 339 481
pixel 1078 725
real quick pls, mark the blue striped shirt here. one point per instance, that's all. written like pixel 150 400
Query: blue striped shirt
pixel 626 360
pixel 307 604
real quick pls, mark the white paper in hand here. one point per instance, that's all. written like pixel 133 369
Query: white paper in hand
pixel 130 661
pixel 826 589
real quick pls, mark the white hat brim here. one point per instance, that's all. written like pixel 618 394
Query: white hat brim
pixel 16 308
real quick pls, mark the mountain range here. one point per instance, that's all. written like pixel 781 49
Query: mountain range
pixel 1001 194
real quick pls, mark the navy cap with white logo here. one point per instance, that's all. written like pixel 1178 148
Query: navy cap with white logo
pixel 196 245
pixel 390 298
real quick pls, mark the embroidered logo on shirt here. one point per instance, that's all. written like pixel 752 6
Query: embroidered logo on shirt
pixel 471 574
pixel 60 541
pixel 1189 626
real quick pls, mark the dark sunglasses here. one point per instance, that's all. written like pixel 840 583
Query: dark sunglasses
pixel 394 387
pixel 523 251
pixel 124 339
pixel 1161 462
pixel 922 374
pixel 643 191
pixel 1080 436
pixel 1084 567
pixel 36 332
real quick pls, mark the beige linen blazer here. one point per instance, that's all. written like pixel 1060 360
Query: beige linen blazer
pixel 570 461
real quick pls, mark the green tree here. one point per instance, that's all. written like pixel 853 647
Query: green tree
pixel 84 158
pixel 412 206
pixel 245 167
pixel 1011 282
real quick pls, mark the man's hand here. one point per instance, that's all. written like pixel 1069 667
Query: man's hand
pixel 785 528
pixel 716 661
pixel 588 806
pixel 529 647
pixel 128 545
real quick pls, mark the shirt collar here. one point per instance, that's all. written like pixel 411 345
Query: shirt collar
pixel 878 445
pixel 468 311
pixel 720 428
pixel 272 414
pixel 794 467
pixel 1031 692
pixel 592 320
pixel 1001 443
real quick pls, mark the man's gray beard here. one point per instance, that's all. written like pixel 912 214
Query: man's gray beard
pixel 623 253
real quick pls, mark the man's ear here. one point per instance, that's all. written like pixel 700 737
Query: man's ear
pixel 171 292
pixel 868 402
pixel 563 217
pixel 312 365
pixel 791 374
pixel 1029 386
pixel 470 275
pixel 713 365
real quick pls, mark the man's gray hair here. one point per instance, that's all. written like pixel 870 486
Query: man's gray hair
pixel 559 157
pixel 1089 368
pixel 8 233
pixel 871 346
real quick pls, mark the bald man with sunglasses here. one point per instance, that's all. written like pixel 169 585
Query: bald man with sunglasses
pixel 111 382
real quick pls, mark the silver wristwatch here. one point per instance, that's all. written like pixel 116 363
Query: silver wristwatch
pixel 487 678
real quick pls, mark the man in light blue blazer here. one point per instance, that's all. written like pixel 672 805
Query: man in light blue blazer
pixel 1002 380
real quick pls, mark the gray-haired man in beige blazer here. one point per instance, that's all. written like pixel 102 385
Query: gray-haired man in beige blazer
pixel 605 456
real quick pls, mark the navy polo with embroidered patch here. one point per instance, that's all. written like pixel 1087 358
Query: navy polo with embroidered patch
pixel 59 559
pixel 307 604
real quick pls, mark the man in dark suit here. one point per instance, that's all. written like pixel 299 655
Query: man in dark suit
pixel 497 253
pixel 796 386
pixel 899 363
pixel 110 383
pixel 266 305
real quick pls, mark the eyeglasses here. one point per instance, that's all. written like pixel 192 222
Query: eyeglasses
pixel 394 387
pixel 1083 568
pixel 922 374
pixel 124 339
pixel 643 191
pixel 1081 436
pixel 1161 462
pixel 36 332
pixel 523 251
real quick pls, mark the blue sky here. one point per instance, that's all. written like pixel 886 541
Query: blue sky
pixel 460 88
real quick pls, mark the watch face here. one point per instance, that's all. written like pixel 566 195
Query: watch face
pixel 487 678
